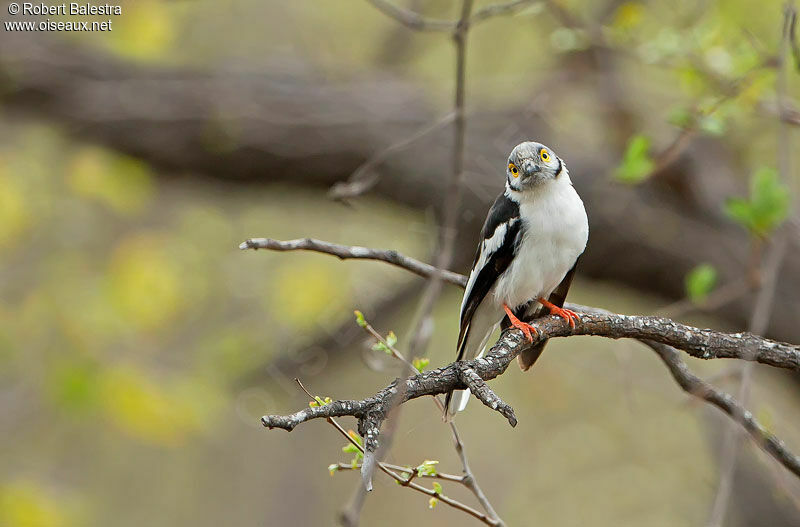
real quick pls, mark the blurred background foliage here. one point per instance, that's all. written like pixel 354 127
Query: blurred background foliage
pixel 133 333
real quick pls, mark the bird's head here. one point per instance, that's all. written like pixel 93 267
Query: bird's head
pixel 532 164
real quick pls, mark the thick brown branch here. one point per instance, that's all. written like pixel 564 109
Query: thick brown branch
pixel 438 381
pixel 700 343
pixel 372 411
pixel 701 389
pixel 484 394
pixel 658 333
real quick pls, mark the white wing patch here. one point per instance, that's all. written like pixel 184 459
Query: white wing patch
pixel 488 247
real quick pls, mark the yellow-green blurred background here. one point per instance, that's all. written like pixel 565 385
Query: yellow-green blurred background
pixel 139 346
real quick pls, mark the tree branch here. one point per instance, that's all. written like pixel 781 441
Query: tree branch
pixel 411 19
pixel 658 333
pixel 346 252
pixel 699 388
pixel 373 410
pixel 700 343
pixel 500 9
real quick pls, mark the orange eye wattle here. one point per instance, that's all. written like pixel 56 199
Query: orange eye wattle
pixel 513 169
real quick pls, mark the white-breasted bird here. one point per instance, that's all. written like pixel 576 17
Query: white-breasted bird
pixel 529 247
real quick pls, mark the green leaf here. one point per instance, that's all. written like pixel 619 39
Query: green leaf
pixel 432 503
pixel 319 401
pixel 427 468
pixel 712 125
pixel 350 448
pixel 636 163
pixel 355 437
pixel 700 281
pixel 360 320
pixel 391 339
pixel 380 346
pixel 333 467
pixel 437 487
pixel 680 117
pixel 766 208
pixel 421 363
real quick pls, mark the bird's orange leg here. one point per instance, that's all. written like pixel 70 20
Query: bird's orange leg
pixel 522 326
pixel 567 314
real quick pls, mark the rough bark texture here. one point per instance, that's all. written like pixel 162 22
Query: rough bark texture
pixel 659 334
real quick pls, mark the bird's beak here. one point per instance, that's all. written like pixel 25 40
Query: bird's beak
pixel 529 168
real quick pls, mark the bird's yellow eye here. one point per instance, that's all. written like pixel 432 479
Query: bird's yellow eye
pixel 513 169
pixel 545 155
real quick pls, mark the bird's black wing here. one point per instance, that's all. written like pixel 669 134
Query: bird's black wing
pixel 499 238
pixel 557 297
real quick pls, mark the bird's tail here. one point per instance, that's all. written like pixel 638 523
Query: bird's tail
pixel 528 357
pixel 455 402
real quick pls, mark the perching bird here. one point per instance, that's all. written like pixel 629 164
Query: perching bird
pixel 529 247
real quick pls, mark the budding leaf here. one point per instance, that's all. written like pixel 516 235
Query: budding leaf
pixel 360 320
pixel 350 448
pixel 427 468
pixel 767 206
pixel 333 467
pixel 680 117
pixel 712 125
pixel 421 363
pixel 636 163
pixel 391 338
pixel 700 281
pixel 437 487
pixel 319 401
pixel 380 346
pixel 432 503
pixel 355 437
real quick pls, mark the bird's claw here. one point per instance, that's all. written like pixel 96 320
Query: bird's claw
pixel 567 314
pixel 526 328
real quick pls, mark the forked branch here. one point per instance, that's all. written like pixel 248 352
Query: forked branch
pixel 661 334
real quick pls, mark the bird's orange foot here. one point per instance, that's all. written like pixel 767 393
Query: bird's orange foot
pixel 567 314
pixel 527 330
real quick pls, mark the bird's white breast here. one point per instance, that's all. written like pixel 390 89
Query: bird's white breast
pixel 556 230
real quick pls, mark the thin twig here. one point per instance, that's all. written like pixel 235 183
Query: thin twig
pixel 445 246
pixel 365 177
pixel 767 270
pixel 468 479
pixel 716 299
pixel 494 10
pixel 411 19
pixel 345 252
pixel 684 138
pixel 406 482
pixel 445 242
pixel 410 470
